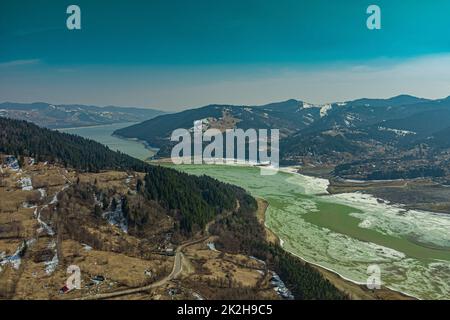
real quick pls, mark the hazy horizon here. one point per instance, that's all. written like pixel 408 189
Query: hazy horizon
pixel 213 103
pixel 174 56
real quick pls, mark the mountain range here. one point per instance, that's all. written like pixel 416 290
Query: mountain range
pixel 76 115
pixel 405 133
pixel 408 130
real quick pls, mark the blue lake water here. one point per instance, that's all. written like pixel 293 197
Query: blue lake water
pixel 103 134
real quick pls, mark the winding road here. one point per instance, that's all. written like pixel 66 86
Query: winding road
pixel 176 270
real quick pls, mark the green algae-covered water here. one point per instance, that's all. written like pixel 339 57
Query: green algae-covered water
pixel 347 233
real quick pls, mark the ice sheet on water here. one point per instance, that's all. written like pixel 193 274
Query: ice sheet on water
pixel 310 185
pixel 350 257
pixel 366 224
pixel 291 196
pixel 426 227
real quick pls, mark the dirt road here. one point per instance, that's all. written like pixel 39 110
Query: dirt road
pixel 176 270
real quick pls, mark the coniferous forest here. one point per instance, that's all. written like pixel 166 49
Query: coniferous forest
pixel 27 139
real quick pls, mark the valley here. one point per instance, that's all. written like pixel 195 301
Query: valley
pixel 127 227
pixel 402 137
pixel 365 199
pixel 104 135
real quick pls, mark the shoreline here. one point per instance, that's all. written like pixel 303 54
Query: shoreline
pixel 355 290
pixel 322 269
pixel 143 142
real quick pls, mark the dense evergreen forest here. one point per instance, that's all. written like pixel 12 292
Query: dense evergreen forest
pixel 198 199
pixel 22 138
pixel 192 202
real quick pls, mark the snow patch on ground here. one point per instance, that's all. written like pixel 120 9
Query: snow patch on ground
pixel 27 205
pixel 308 106
pixel 309 118
pixel 280 287
pixel 43 226
pixel 26 184
pixel 117 217
pixel 14 260
pixel 324 110
pixel 398 132
pixel 86 247
pixel 50 266
pixel 55 199
pixel 12 163
pixel 43 193
pixel 212 246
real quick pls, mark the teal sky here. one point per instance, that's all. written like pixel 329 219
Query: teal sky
pixel 175 54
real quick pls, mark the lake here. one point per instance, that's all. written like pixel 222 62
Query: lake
pixel 347 233
pixel 103 134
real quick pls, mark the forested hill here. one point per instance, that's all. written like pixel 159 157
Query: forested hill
pixel 22 138
pixel 193 200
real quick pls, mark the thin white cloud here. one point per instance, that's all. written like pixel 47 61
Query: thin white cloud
pixel 16 63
